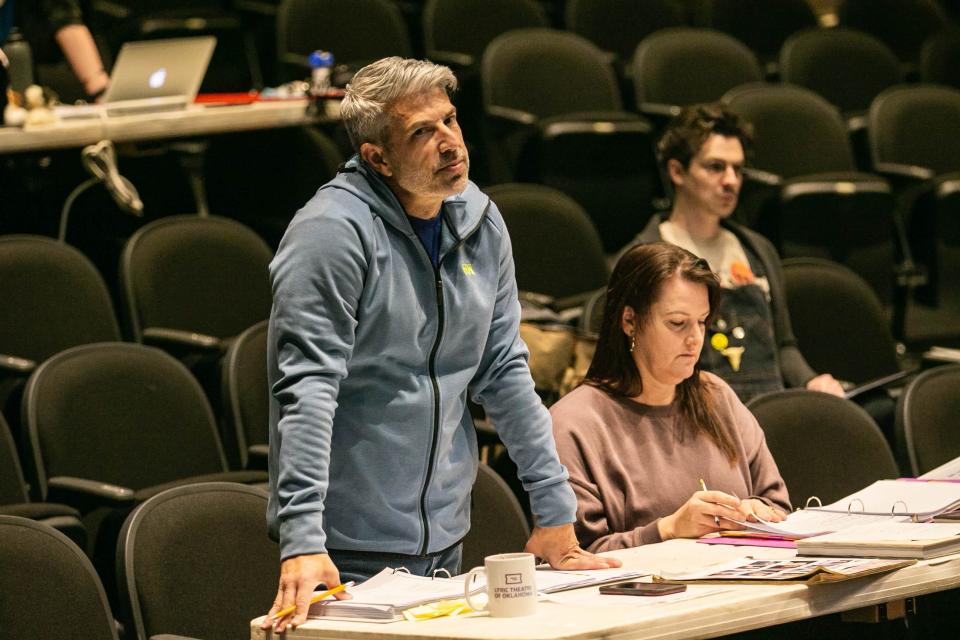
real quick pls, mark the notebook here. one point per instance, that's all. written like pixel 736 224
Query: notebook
pixel 890 540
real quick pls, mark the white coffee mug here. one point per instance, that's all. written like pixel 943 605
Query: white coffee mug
pixel 511 585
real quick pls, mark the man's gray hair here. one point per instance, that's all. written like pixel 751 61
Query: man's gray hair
pixel 380 84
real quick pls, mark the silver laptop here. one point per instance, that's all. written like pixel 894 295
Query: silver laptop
pixel 158 75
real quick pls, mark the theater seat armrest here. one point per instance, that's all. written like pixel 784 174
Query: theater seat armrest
pixel 857 123
pixel 762 177
pixel 257 454
pixel 904 171
pixel 259 7
pixel 84 494
pixel 153 25
pixel 178 339
pixel 514 116
pixel 452 58
pixel 18 366
pixel 948 185
pixel 576 300
pixel 659 109
pixel 112 9
pixel 600 126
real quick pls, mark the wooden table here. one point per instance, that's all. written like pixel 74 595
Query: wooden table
pixel 736 608
pixel 194 121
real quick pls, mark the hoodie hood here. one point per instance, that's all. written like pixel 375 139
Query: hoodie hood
pixel 463 211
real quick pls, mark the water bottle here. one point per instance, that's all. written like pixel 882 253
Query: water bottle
pixel 21 61
pixel 321 68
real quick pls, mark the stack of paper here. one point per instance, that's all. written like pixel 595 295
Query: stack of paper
pixel 891 540
pixel 551 581
pixel 384 597
pixel 946 471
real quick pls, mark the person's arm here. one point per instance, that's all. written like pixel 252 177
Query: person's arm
pixel 504 387
pixel 81 52
pixel 593 528
pixel 317 279
pixel 63 20
pixel 581 447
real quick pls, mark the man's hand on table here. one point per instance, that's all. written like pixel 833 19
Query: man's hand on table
pixel 299 576
pixel 558 546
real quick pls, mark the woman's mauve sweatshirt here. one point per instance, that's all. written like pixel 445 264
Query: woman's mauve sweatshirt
pixel 630 465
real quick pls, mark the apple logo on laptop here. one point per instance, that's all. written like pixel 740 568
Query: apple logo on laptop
pixel 157 78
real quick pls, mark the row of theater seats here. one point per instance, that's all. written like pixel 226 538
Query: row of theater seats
pixel 191 286
pixel 197 287
pixel 875 175
pixel 271 33
pixel 812 192
pixel 545 106
pixel 176 550
pixel 829 447
pixel 108 425
pixel 192 561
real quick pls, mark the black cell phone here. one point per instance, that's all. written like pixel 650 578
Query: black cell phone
pixel 641 589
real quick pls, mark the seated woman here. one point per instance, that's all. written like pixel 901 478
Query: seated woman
pixel 647 425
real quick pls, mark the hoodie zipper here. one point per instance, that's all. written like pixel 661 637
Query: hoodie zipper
pixel 436 412
pixel 435 383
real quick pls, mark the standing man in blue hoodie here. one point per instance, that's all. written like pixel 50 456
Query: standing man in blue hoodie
pixel 394 301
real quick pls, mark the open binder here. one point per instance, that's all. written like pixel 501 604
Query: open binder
pixel 918 500
pixel 883 502
pixel 385 596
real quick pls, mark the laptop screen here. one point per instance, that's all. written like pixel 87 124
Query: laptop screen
pixel 169 68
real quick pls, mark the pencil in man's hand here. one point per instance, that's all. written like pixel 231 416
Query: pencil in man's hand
pixel 317 597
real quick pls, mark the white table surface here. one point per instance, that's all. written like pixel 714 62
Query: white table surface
pixel 193 121
pixel 735 608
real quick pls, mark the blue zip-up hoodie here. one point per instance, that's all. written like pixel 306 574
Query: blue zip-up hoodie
pixel 371 355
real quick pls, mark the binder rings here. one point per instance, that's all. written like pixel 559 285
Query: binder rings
pixel 918 500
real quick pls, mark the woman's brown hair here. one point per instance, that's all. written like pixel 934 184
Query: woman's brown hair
pixel 637 282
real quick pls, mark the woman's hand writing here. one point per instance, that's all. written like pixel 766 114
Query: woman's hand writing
pixel 705 512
